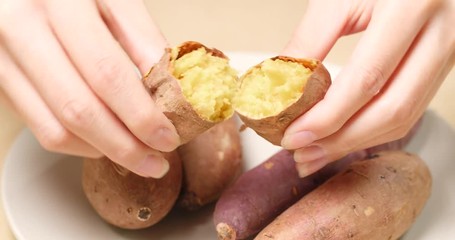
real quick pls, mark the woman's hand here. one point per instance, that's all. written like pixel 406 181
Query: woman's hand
pixel 404 55
pixel 69 70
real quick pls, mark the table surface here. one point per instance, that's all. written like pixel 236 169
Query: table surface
pixel 251 26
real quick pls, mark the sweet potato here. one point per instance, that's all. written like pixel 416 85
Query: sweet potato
pixel 196 88
pixel 275 92
pixel 193 85
pixel 375 199
pixel 211 162
pixel 127 200
pixel 262 193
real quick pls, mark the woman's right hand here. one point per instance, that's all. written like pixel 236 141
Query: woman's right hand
pixel 69 69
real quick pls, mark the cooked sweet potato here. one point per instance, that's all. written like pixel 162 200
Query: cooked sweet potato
pixel 193 85
pixel 262 193
pixel 127 200
pixel 196 88
pixel 375 199
pixel 275 92
pixel 211 162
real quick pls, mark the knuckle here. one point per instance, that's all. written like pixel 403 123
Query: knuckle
pixel 371 80
pixel 404 113
pixel 53 138
pixel 126 154
pixel 401 133
pixel 77 114
pixel 398 113
pixel 145 121
pixel 109 74
pixel 390 142
pixel 404 130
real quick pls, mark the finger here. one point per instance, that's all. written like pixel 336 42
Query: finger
pixel 45 63
pixel 323 23
pixel 365 74
pixel 3 99
pixel 399 106
pixel 308 168
pixel 32 109
pixel 316 33
pixel 110 73
pixel 133 27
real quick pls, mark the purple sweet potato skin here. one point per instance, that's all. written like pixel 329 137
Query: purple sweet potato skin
pixel 262 193
pixel 267 190
pixel 276 169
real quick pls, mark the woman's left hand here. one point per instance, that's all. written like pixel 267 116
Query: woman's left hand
pixel 404 55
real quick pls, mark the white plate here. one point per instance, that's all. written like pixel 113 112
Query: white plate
pixel 43 198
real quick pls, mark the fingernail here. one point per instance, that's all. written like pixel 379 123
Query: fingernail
pixel 165 139
pixel 309 154
pixel 153 166
pixel 302 170
pixel 298 139
pixel 308 168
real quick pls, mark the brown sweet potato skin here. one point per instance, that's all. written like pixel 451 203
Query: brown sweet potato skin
pixel 375 199
pixel 262 193
pixel 272 128
pixel 127 200
pixel 165 90
pixel 211 162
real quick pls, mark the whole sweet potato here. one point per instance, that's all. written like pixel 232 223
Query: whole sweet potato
pixel 262 193
pixel 211 162
pixel 127 200
pixel 375 199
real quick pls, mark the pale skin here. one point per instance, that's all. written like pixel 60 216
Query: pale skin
pixel 78 90
pixel 405 53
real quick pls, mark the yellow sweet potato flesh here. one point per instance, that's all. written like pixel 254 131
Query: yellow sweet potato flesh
pixel 270 88
pixel 208 83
